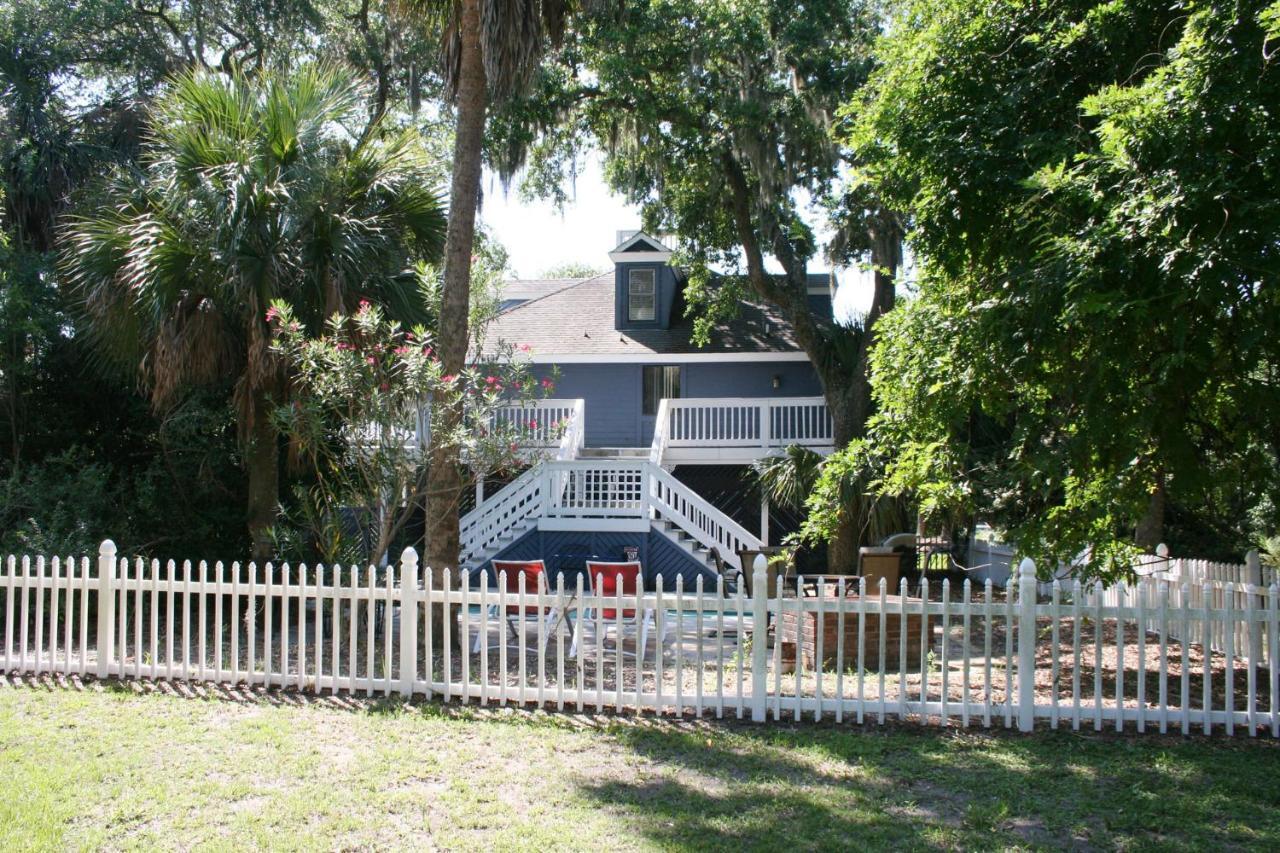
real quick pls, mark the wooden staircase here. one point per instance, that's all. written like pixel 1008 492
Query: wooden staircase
pixel 601 495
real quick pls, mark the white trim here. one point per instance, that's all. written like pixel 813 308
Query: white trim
pixel 640 257
pixel 637 237
pixel 665 358
pixel 586 525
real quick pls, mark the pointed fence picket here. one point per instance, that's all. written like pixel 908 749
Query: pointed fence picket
pixel 1162 653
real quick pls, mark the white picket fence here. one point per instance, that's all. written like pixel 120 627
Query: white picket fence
pixel 1202 583
pixel 1105 658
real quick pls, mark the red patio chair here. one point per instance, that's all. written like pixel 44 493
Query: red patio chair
pixel 534 573
pixel 606 581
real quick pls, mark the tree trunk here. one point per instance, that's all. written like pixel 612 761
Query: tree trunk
pixel 444 481
pixel 849 396
pixel 1150 529
pixel 846 387
pixel 262 459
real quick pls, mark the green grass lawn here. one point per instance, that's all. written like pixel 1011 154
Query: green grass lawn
pixel 119 768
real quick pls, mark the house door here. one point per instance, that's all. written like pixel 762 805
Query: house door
pixel 658 381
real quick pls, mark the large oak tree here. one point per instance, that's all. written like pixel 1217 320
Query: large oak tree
pixel 717 118
pixel 1096 344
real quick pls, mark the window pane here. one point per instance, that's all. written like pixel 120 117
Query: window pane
pixel 671 382
pixel 658 382
pixel 641 299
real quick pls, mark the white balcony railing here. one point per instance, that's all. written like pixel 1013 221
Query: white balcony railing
pixel 542 424
pixel 742 423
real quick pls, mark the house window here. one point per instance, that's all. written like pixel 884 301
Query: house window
pixel 659 382
pixel 642 301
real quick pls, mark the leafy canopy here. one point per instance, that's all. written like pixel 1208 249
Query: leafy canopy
pixel 1092 194
pixel 251 190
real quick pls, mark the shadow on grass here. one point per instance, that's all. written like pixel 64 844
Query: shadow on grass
pixel 819 785
pixel 729 784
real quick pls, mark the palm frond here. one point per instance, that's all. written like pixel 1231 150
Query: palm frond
pixel 252 189
pixel 788 479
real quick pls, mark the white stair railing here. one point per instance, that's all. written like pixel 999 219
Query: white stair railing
pixel 671 500
pixel 542 423
pixel 575 433
pixel 660 432
pixel 488 527
pixel 592 491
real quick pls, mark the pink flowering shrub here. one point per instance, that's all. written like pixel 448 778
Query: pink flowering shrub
pixel 361 391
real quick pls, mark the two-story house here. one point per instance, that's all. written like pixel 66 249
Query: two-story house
pixel 658 432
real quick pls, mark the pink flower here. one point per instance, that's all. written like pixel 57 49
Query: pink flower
pixel 525 348
pixel 402 350
pixel 371 360
pixel 426 351
pixel 533 424
pixel 491 380
pixel 272 313
pixel 364 305
pixel 448 378
pixel 546 383
pixel 385 386
pixel 514 447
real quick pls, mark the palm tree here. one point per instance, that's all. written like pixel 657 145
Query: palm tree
pixel 788 478
pixel 490 51
pixel 858 505
pixel 251 190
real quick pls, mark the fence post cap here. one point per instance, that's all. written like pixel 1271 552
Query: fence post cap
pixel 409 556
pixel 1252 558
pixel 1162 550
pixel 107 548
pixel 760 565
pixel 1027 569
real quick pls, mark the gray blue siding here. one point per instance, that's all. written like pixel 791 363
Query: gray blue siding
pixel 613 391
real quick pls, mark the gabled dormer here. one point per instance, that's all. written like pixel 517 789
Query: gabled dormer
pixel 644 282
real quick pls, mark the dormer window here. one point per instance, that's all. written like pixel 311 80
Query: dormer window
pixel 642 300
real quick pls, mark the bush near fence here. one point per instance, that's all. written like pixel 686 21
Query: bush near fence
pixel 1096 656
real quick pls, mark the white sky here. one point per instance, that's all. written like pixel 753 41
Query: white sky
pixel 539 237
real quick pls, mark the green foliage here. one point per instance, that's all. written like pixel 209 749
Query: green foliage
pixel 675 114
pixel 358 391
pixel 788 479
pixel 77 81
pixel 849 489
pixel 171 485
pixel 1092 198
pixel 252 189
pixel 1269 552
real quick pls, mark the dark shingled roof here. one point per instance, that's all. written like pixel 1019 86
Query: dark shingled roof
pixel 578 320
pixel 523 290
